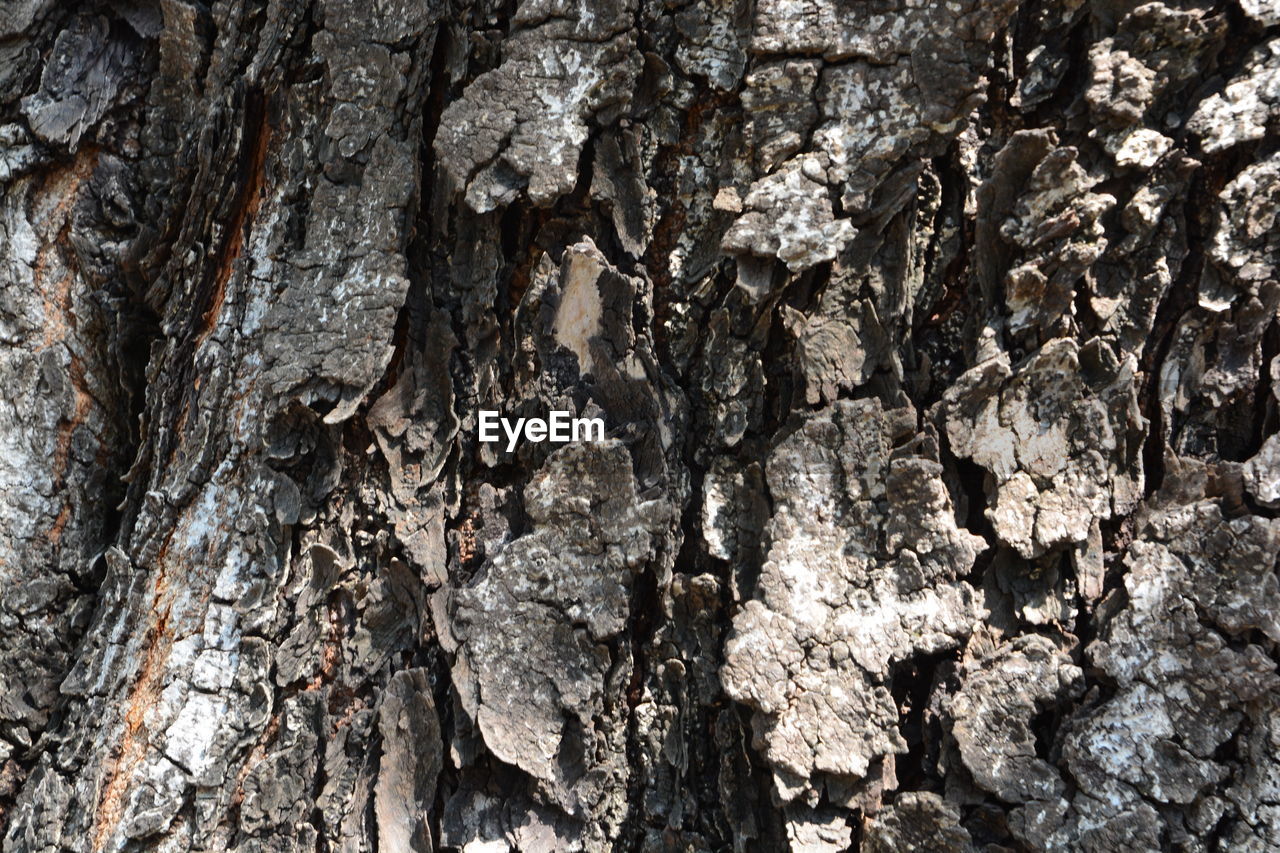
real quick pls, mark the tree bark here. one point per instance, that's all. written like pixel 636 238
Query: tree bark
pixel 938 350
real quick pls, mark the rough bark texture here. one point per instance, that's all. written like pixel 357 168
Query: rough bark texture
pixel 938 350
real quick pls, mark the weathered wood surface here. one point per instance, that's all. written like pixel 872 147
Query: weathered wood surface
pixel 939 352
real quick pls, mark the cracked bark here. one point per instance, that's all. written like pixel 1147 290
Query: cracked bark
pixel 938 350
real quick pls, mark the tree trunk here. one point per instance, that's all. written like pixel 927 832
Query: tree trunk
pixel 937 348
